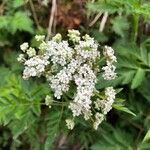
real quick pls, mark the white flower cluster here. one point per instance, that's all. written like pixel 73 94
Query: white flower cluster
pixel 60 82
pixel 72 65
pixel 87 49
pixel 24 46
pixel 21 58
pixel 40 37
pixel 109 69
pixel 70 123
pixel 35 66
pixel 85 81
pixel 59 53
pixel 74 35
pixel 105 105
pixel 48 101
pixel 99 117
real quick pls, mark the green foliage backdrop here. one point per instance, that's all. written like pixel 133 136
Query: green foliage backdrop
pixel 26 123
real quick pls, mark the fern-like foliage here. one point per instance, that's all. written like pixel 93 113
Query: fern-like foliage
pixel 53 123
pixel 127 6
pixel 20 104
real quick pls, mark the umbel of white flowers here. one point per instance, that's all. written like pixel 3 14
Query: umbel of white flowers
pixel 73 63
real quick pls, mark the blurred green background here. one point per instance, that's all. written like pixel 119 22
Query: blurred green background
pixel 26 124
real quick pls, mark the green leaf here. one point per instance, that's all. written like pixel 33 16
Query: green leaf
pixel 18 97
pixel 102 7
pixel 138 78
pixel 144 54
pixel 127 76
pixel 123 108
pixel 21 22
pixel 113 139
pixel 52 128
pixel 143 146
pixel 4 22
pixel 19 126
pixel 120 25
pixel 149 59
pixel 99 36
pixel 144 89
pixel 18 3
pixel 147 137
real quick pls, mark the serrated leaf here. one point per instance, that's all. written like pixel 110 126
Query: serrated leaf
pixel 99 36
pixel 36 108
pixel 102 7
pixel 120 25
pixel 19 126
pixel 21 22
pixel 52 129
pixel 138 78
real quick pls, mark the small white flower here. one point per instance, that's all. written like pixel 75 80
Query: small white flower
pixel 87 114
pixel 24 46
pixel 59 53
pixel 40 37
pixel 109 72
pixel 75 108
pixel 109 69
pixel 110 93
pixel 57 37
pixel 74 35
pixel 70 123
pixel 21 58
pixel 43 46
pixel 87 50
pixel 60 82
pixel 87 37
pixel 109 54
pixel 105 105
pixel 85 81
pixel 35 66
pixel 98 119
pixel 31 52
pixel 48 101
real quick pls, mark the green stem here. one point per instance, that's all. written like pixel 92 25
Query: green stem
pixel 61 115
pixel 31 104
pixel 98 95
pixel 135 28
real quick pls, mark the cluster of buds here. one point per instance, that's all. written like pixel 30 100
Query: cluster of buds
pixel 72 66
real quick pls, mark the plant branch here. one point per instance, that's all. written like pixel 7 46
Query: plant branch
pixel 34 14
pixel 103 22
pixel 1 7
pixel 95 19
pixel 51 20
